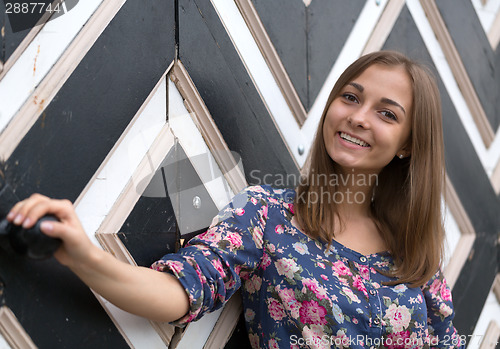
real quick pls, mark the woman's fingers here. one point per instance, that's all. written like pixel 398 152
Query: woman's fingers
pixel 29 211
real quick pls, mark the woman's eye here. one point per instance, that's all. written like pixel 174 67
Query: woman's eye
pixel 350 97
pixel 388 114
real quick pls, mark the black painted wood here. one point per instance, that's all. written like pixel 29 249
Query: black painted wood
pixel 329 23
pixel 285 22
pixel 11 39
pixel 471 183
pixel 308 39
pixel 229 93
pixel 480 60
pixel 63 150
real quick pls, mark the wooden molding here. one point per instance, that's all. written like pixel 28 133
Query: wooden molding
pixel 226 323
pixel 494 32
pixel 207 127
pixel 456 65
pixel 495 178
pixel 26 41
pixel 464 246
pixel 272 58
pixel 13 332
pixel 384 26
pixel 54 80
pixel 496 287
pixel 491 336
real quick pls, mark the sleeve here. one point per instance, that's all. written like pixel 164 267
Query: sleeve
pixel 440 314
pixel 210 267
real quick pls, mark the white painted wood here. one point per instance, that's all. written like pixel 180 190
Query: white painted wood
pixel 453 233
pixel 490 312
pixel 104 189
pixel 39 57
pixel 3 343
pixel 488 156
pixel 256 65
pixel 486 13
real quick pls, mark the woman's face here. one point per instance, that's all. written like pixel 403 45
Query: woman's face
pixel 369 122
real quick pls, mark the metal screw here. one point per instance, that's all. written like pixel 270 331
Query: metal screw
pixel 301 149
pixel 197 202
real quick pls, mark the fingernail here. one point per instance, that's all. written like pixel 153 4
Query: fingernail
pixel 11 215
pixel 26 223
pixel 18 219
pixel 47 226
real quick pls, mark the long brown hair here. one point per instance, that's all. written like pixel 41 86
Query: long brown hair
pixel 407 199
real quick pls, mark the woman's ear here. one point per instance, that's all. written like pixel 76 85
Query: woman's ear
pixel 404 152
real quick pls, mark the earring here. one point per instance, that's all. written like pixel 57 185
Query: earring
pixel 400 156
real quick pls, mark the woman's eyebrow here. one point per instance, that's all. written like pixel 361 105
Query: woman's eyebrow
pixel 391 102
pixel 360 88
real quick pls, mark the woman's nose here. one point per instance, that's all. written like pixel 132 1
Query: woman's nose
pixel 360 118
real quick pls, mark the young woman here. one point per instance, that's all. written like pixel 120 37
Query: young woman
pixel 350 259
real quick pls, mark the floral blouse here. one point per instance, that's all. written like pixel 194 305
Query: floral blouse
pixel 297 292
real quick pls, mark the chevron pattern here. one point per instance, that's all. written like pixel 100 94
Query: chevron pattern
pixel 97 104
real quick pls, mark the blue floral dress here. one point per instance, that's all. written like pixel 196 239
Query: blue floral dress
pixel 297 292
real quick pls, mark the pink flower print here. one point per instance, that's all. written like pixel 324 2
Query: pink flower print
pixel 266 261
pixel 341 340
pixel 321 265
pixel 313 336
pixel 210 235
pixel 301 248
pixel 398 316
pixel 313 285
pixel 275 309
pixel 254 340
pixel 234 239
pixel 419 298
pixel 249 314
pixel 324 277
pixel 271 248
pixel 445 292
pixel 445 310
pixel 253 285
pixel 273 344
pixel 272 200
pixel 254 200
pixel 360 286
pixel 237 269
pixel 279 229
pixel 239 211
pixel 434 288
pixel 341 268
pixel 257 236
pixel 348 292
pixel 291 208
pixel 287 267
pixel 289 301
pixel 264 211
pixel 397 340
pixel 175 266
pixel 364 271
pixel 312 313
pixel 218 266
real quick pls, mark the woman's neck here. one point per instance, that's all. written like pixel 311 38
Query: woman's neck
pixel 355 191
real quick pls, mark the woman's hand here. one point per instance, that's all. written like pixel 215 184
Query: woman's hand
pixel 141 291
pixel 76 247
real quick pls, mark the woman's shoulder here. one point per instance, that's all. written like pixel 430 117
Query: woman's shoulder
pixel 271 195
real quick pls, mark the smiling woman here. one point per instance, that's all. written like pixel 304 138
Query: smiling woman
pixel 344 262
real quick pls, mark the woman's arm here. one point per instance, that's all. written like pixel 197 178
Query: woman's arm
pixel 138 290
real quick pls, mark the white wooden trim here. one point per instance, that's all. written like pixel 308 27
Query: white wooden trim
pixel 384 26
pixel 20 105
pixel 26 41
pixel 458 69
pixel 494 32
pixel 491 336
pixel 464 245
pixel 13 331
